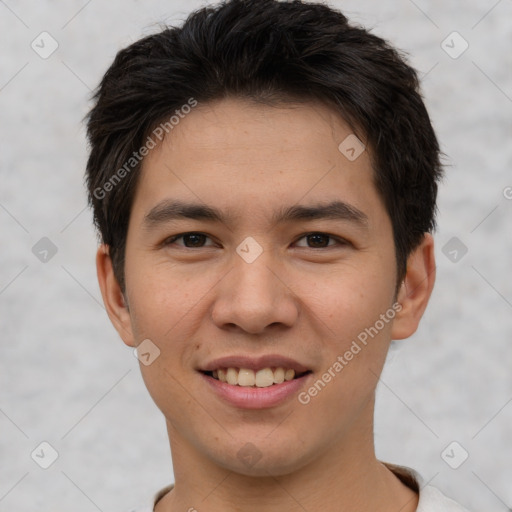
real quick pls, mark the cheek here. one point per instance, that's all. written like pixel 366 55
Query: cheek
pixel 354 314
pixel 349 300
pixel 355 344
pixel 161 297
pixel 168 307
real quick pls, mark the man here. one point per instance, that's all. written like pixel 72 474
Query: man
pixel 264 182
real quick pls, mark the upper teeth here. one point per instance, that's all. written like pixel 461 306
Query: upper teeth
pixel 261 379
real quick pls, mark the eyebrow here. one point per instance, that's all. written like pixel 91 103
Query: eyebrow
pixel 169 210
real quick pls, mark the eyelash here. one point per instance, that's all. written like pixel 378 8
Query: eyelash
pixel 340 241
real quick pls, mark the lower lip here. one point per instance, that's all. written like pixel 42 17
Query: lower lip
pixel 256 398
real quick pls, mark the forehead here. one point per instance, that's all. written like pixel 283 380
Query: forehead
pixel 244 130
pixel 244 157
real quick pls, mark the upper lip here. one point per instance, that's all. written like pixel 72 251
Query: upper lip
pixel 254 363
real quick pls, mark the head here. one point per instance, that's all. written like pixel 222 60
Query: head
pixel 262 113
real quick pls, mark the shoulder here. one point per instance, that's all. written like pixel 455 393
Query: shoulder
pixel 430 498
pixel 149 506
pixel 433 500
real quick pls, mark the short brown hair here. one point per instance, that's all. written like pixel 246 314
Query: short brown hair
pixel 272 52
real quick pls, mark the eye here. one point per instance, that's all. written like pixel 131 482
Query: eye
pixel 320 240
pixel 190 240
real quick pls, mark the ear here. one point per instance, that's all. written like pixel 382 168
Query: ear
pixel 416 289
pixel 113 298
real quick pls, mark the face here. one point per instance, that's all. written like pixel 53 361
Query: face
pixel 254 243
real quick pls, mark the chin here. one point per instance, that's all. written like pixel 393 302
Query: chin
pixel 263 459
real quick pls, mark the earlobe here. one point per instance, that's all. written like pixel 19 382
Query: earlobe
pixel 113 298
pixel 416 289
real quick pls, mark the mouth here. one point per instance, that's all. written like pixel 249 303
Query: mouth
pixel 251 378
pixel 254 383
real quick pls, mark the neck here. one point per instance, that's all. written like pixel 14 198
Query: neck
pixel 346 477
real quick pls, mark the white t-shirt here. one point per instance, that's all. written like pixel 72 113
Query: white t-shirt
pixel 430 498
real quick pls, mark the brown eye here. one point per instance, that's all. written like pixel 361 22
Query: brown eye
pixel 194 240
pixel 190 240
pixel 319 241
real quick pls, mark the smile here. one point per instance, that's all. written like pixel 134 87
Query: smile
pixel 247 377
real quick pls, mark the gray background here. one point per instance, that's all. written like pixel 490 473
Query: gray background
pixel 67 379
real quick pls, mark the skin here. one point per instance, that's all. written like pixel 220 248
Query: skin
pixel 298 299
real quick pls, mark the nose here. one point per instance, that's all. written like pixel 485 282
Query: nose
pixel 254 297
